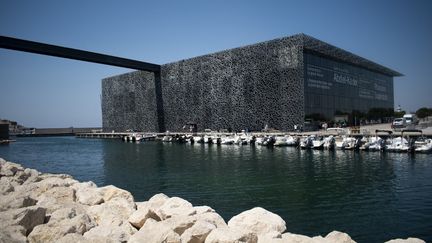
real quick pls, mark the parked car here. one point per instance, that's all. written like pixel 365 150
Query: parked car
pixel 398 123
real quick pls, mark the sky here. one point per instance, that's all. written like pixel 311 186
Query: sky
pixel 43 91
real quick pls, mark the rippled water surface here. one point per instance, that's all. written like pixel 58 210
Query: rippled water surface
pixel 372 196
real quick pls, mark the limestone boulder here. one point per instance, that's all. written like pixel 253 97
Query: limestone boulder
pixel 15 200
pixel 179 223
pixel 37 189
pixel 54 229
pixel 26 176
pixel 144 212
pixel 111 192
pixel 120 233
pixel 212 218
pixel 258 220
pixel 157 200
pixel 295 238
pixel 112 212
pixel 154 231
pixel 13 234
pixel 204 209
pixel 72 237
pixel 339 237
pixel 56 198
pixel 408 240
pixel 5 185
pixel 227 235
pixel 10 169
pixel 66 213
pixel 175 206
pixel 271 237
pixel 50 175
pixel 27 217
pixel 197 233
pixel 87 193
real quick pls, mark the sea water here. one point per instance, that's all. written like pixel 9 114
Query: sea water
pixel 372 196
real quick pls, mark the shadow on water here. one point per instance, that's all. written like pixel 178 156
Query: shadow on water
pixel 372 196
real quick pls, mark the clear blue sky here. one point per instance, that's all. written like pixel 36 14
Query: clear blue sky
pixel 44 91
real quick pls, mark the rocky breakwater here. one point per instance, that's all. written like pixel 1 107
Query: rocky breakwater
pixel 41 207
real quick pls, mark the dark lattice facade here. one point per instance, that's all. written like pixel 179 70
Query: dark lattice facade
pixel 273 83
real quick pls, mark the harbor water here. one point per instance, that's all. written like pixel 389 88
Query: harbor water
pixel 372 196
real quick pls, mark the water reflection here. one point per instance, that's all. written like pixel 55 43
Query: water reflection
pixel 371 195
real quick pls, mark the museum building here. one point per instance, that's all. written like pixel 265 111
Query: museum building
pixel 274 83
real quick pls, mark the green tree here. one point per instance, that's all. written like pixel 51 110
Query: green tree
pixel 379 113
pixel 316 117
pixel 399 114
pixel 424 112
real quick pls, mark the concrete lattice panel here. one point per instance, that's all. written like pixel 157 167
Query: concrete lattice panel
pixel 129 102
pixel 242 88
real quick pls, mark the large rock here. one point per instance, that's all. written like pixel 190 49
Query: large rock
pixel 10 169
pixel 227 235
pixel 87 193
pixel 272 237
pixel 113 212
pixel 71 237
pixel 54 230
pixel 13 234
pixel 204 209
pixel 111 192
pixel 37 189
pixel 27 176
pixel 120 233
pixel 258 220
pixel 157 201
pixel 148 209
pixel 179 223
pixel 197 233
pixel 338 237
pixel 175 206
pixel 5 185
pixel 15 200
pixel 66 213
pixel 154 231
pixel 408 240
pixel 56 198
pixel 212 218
pixel 28 217
pixel 144 212
pixel 289 237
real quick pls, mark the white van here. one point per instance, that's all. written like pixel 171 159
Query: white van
pixel 410 118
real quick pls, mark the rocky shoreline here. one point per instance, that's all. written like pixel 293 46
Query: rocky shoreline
pixel 42 207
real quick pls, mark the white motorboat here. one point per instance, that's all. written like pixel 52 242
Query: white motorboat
pixel 240 140
pixel 207 139
pixel 329 142
pixel 198 139
pixel 318 143
pixel 167 138
pixel 347 143
pixel 285 141
pixel 307 142
pixel 227 140
pixel 424 146
pixel 398 144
